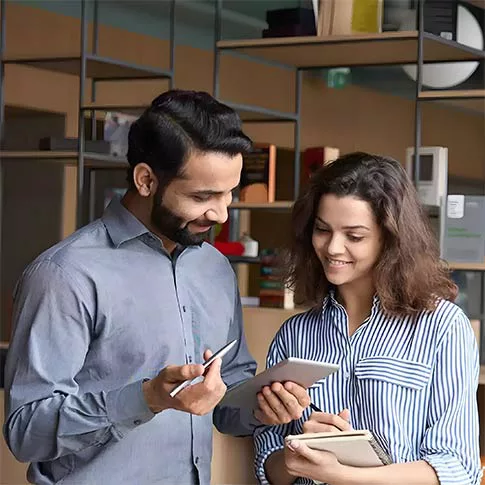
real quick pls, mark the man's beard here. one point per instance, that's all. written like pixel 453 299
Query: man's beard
pixel 172 226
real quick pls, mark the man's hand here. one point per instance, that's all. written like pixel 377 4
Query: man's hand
pixel 322 422
pixel 197 399
pixel 281 403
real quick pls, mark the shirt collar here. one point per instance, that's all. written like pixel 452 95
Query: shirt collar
pixel 121 224
pixel 331 300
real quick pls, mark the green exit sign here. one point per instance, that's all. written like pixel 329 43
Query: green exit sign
pixel 339 77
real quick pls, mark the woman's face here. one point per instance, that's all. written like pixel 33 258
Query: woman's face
pixel 346 239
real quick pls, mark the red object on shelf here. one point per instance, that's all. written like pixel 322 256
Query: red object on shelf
pixel 229 248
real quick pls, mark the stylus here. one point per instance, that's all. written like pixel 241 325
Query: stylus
pixel 219 354
pixel 315 408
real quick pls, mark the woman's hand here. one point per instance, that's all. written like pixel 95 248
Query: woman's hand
pixel 281 403
pixel 322 466
pixel 301 461
pixel 322 422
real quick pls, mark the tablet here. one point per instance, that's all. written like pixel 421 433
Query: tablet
pixel 300 371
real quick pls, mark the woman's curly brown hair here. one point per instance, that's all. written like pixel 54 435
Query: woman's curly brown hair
pixel 409 275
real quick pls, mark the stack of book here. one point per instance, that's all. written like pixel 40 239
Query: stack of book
pixel 272 290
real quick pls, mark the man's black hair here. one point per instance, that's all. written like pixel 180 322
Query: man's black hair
pixel 178 123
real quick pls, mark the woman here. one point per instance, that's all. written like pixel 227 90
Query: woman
pixel 364 254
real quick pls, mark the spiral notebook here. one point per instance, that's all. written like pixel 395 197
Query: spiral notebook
pixel 356 448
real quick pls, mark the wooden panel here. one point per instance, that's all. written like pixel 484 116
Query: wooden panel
pixel 236 466
pixel 12 472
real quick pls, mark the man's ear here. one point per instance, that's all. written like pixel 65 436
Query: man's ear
pixel 145 180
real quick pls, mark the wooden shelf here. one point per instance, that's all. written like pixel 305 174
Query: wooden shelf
pixel 353 50
pixel 97 67
pixel 255 114
pixel 119 108
pixel 248 113
pixel 278 205
pixel 95 160
pixel 467 266
pixel 243 259
pixel 473 99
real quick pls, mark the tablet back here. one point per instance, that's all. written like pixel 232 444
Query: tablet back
pixel 301 371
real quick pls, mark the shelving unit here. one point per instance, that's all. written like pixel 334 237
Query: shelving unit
pixel 380 49
pixel 89 67
pixel 373 49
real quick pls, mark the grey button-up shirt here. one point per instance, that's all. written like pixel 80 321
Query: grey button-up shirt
pixel 94 316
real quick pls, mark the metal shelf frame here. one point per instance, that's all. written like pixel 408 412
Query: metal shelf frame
pixel 82 101
pixel 409 47
pixel 259 114
pixel 443 50
pixel 3 37
pixel 89 67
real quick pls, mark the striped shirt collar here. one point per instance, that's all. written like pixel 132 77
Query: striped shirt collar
pixel 331 300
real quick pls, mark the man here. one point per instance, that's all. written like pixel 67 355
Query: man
pixel 110 320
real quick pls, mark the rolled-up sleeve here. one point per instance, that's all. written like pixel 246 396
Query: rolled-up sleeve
pixel 46 414
pixel 451 442
pixel 268 439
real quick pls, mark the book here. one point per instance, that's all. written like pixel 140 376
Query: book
pixel 315 157
pixel 357 448
pixel 273 292
pixel 346 17
pixel 258 176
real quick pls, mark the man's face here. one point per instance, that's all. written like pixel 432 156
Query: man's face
pixel 195 201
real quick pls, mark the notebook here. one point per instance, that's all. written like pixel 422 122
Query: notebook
pixel 356 448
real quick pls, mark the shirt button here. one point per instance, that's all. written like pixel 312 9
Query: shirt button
pixel 184 309
pixel 137 422
pixel 196 460
pixel 190 358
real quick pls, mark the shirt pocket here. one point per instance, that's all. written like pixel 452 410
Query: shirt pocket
pixel 391 370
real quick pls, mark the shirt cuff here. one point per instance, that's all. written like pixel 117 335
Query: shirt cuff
pixel 449 470
pixel 249 420
pixel 126 407
pixel 261 460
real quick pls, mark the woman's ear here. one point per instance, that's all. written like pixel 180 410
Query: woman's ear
pixel 145 181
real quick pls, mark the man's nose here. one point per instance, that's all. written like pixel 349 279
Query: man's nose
pixel 218 212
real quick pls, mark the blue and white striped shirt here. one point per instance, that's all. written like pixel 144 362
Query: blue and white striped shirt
pixel 412 383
